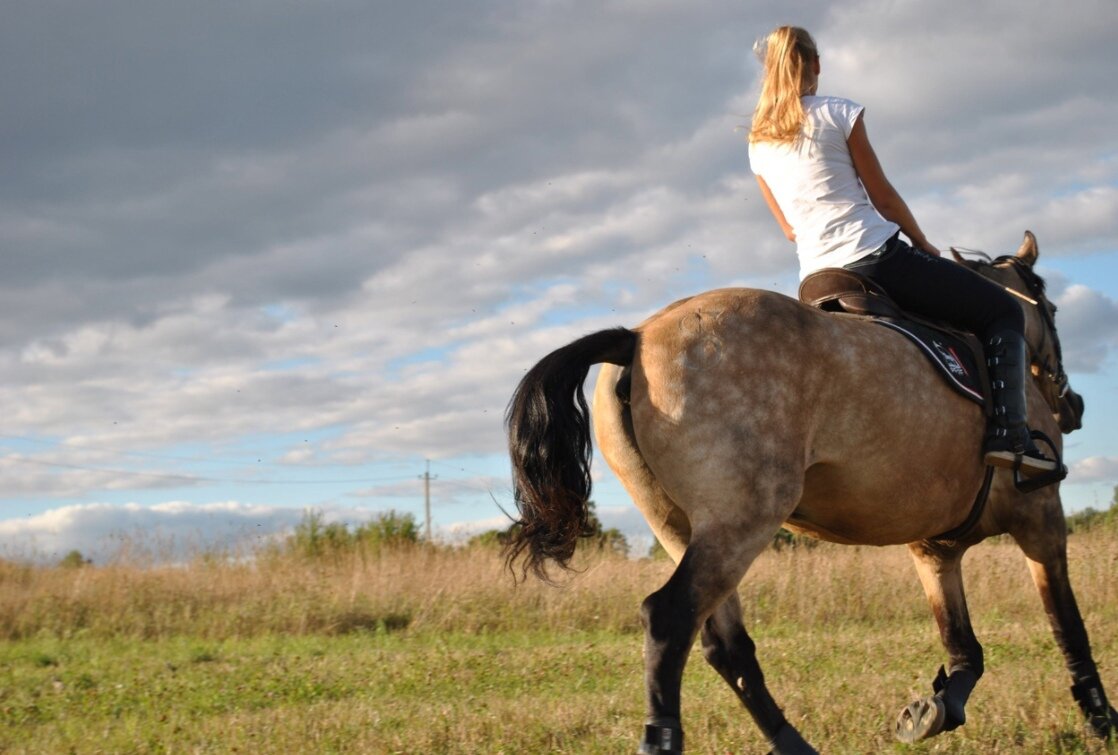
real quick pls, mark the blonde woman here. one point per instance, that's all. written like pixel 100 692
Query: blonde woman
pixel 828 192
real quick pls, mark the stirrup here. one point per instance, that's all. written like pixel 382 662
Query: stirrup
pixel 1020 461
pixel 1028 462
pixel 1012 447
pixel 1029 483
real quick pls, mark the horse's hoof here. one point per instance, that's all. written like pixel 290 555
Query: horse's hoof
pixel 1103 727
pixel 662 738
pixel 921 719
pixel 789 742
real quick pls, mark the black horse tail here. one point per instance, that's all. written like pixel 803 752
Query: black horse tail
pixel 548 424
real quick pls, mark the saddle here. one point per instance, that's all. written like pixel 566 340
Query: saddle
pixel 956 354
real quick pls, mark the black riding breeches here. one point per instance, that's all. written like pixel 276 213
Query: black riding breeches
pixel 941 289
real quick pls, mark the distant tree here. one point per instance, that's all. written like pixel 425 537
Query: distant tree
pixel 390 528
pixel 314 537
pixel 785 539
pixel 657 552
pixel 1091 518
pixel 612 539
pixel 74 560
pixel 489 539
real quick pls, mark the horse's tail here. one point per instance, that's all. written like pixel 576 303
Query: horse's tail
pixel 549 442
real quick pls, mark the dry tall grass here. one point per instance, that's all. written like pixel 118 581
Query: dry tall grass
pixel 438 589
pixel 463 661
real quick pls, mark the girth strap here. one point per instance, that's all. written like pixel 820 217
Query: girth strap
pixel 976 509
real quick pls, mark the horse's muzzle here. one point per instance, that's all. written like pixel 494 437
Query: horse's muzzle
pixel 1070 416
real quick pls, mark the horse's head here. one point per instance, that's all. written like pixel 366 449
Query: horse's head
pixel 1015 272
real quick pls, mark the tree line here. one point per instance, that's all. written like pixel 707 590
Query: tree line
pixel 314 537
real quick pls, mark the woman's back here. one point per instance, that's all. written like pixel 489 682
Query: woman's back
pixel 814 181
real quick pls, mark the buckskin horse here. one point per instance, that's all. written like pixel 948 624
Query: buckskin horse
pixel 732 413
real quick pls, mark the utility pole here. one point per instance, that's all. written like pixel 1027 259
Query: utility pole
pixel 427 497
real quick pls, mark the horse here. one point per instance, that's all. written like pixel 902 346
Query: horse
pixel 735 412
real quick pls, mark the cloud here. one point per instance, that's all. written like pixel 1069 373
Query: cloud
pixel 29 477
pixel 1088 322
pixel 161 533
pixel 362 222
pixel 1095 469
pixel 164 533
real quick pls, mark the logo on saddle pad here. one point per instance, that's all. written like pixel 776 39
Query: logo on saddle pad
pixel 955 360
pixel 950 359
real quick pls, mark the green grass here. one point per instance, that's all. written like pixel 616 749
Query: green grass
pixel 301 657
pixel 364 692
pixel 503 692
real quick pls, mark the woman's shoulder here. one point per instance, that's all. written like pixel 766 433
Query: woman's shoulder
pixel 835 112
pixel 830 103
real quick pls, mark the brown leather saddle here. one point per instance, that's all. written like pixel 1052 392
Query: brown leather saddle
pixel 957 354
pixel 834 289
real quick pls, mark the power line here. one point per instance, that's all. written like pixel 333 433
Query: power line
pixel 476 486
pixel 460 468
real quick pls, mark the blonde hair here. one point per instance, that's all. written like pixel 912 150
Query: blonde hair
pixel 789 55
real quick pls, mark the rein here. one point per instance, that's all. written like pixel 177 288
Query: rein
pixel 1056 386
pixel 1055 376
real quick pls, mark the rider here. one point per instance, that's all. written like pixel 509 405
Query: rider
pixel 827 190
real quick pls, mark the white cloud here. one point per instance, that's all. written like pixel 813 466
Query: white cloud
pixel 1095 469
pixel 164 533
pixel 214 245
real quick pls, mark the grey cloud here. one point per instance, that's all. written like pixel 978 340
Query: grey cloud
pixel 223 220
pixel 1088 322
pixel 61 476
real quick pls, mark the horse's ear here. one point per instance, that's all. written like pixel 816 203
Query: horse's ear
pixel 955 253
pixel 1028 251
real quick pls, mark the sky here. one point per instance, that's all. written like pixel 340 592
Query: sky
pixel 265 257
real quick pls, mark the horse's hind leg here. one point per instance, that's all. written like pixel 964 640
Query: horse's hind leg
pixel 715 561
pixel 1045 547
pixel 939 568
pixel 729 649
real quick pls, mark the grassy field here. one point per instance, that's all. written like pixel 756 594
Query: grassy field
pixel 434 650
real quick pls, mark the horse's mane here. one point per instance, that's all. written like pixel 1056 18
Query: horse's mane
pixel 1032 280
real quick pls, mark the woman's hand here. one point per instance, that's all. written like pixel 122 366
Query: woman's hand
pixel 924 246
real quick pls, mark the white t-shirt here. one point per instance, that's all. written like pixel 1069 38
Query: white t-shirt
pixel 814 182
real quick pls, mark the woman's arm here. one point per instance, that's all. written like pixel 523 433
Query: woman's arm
pixel 774 208
pixel 881 193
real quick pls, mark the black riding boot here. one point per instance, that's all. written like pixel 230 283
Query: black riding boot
pixel 1008 443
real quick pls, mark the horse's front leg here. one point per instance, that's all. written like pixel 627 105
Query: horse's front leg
pixel 1045 548
pixel 712 566
pixel 729 649
pixel 939 568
